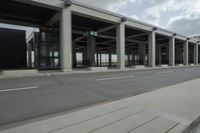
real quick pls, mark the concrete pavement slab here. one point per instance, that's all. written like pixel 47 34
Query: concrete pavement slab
pixel 159 125
pixel 128 124
pixel 100 122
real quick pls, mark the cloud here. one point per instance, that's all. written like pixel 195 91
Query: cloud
pixel 111 5
pixel 187 25
pixel 169 14
pixel 135 17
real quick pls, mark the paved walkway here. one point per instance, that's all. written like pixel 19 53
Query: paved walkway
pixel 168 110
pixel 196 130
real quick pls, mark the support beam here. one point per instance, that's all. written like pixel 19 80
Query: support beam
pixel 135 41
pixel 100 59
pixel 66 40
pixel 161 39
pixel 113 38
pixel 142 53
pixel 110 58
pixel 106 29
pixel 158 55
pixel 84 56
pixel 186 53
pixel 97 58
pixel 29 61
pixel 99 31
pixel 106 42
pixel 74 54
pixel 151 50
pixel 137 35
pixel 51 4
pixel 172 51
pixel 91 50
pixel 179 55
pixel 121 46
pixel 133 58
pixel 129 58
pixel 54 19
pixel 196 54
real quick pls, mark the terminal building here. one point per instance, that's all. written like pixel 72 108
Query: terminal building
pixel 73 35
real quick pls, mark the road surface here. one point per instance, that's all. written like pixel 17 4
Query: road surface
pixel 33 97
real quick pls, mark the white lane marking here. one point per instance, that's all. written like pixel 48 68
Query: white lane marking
pixel 164 72
pixel 188 69
pixel 112 78
pixel 19 89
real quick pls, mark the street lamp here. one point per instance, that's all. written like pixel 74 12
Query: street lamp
pixel 124 19
pixel 67 2
pixel 155 28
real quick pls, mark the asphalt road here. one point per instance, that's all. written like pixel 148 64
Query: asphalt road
pixel 32 97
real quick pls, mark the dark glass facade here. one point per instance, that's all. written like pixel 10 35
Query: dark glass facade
pixel 12 49
pixel 48 50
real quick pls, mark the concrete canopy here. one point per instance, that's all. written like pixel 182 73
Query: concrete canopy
pixel 25 14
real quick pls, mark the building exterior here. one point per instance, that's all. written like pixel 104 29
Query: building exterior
pixel 69 29
pixel 12 49
pixel 196 37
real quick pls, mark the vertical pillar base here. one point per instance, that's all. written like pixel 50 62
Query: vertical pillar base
pixel 196 54
pixel 151 50
pixel 121 46
pixel 172 52
pixel 186 63
pixel 67 70
pixel 66 40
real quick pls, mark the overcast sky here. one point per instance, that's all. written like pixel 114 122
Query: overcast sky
pixel 180 16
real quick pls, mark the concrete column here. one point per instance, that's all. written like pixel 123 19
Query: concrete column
pixel 186 53
pixel 133 58
pixel 121 46
pixel 100 59
pixel 36 50
pixel 44 62
pixel 29 55
pixel 91 50
pixel 158 55
pixel 66 40
pixel 110 58
pixel 179 55
pixel 129 59
pixel 151 50
pixel 84 56
pixel 172 51
pixel 97 58
pixel 196 54
pixel 74 54
pixel 142 53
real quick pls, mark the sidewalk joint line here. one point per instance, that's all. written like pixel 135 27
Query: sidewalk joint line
pixel 143 124
pixel 89 119
pixel 173 127
pixel 116 121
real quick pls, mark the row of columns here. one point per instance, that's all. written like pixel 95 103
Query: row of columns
pixel 66 45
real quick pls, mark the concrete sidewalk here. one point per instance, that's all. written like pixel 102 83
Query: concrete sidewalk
pixel 172 109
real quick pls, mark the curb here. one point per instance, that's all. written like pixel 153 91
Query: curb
pixel 43 74
pixel 192 126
